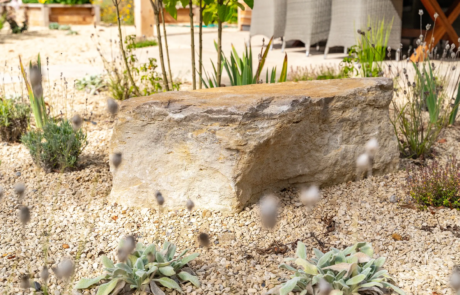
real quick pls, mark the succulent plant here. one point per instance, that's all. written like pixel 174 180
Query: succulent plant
pixel 349 271
pixel 144 267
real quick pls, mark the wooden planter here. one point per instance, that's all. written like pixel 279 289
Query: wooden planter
pixel 42 15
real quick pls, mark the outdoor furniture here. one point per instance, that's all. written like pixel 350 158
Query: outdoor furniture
pixel 442 27
pixel 349 16
pixel 308 21
pixel 268 18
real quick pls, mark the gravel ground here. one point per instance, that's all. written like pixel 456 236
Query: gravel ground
pixel 71 214
pixel 72 210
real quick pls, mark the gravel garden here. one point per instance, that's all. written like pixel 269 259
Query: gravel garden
pixel 61 233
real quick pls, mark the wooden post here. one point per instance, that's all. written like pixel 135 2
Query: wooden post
pixel 144 18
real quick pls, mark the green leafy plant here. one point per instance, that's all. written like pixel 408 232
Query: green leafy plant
pixel 240 70
pixel 145 267
pixel 142 44
pixel 371 47
pixel 435 184
pixel 57 147
pixel 91 83
pixel 35 91
pixel 53 26
pixel 345 272
pixel 2 20
pixel 64 28
pixel 118 80
pixel 14 119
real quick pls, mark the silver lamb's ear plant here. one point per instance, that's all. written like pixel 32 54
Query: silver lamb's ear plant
pixel 141 273
pixel 339 272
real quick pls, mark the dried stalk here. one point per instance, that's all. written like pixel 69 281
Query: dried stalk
pixel 156 11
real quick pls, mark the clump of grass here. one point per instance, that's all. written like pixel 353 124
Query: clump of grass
pixel 320 72
pixel 142 44
pixel 14 119
pixel 56 147
pixel 435 184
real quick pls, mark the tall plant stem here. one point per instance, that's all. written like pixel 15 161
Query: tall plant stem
pixel 219 45
pixel 156 11
pixel 192 36
pixel 200 54
pixel 166 43
pixel 128 71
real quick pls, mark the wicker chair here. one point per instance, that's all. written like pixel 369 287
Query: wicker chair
pixel 349 16
pixel 307 21
pixel 268 18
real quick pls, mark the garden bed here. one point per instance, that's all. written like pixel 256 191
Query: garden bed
pixel 42 15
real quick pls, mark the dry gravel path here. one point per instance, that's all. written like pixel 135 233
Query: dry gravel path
pixel 70 211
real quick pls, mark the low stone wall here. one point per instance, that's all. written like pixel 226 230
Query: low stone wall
pixel 225 147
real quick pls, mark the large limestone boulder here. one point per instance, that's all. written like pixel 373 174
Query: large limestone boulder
pixel 223 148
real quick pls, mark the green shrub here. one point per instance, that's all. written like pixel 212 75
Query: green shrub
pixel 435 184
pixel 346 272
pixel 142 267
pixel 142 44
pixel 56 147
pixel 14 119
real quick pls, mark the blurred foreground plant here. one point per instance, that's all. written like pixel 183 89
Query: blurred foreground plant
pixel 435 184
pixel 346 272
pixel 35 91
pixel 142 267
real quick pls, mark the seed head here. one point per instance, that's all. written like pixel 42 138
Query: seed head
pixel 1 192
pixel 129 243
pixel 203 239
pixel 372 147
pixel 190 205
pixel 323 287
pixel 116 159
pixel 455 278
pixel 24 282
pixel 77 121
pixel 44 274
pixel 24 215
pixel 112 106
pixel 56 272
pixel 66 268
pixel 363 162
pixel 420 12
pixel 436 16
pixel 269 210
pixel 311 196
pixel 160 198
pixel 122 255
pixel 19 189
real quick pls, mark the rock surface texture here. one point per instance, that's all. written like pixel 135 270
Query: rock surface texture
pixel 224 148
